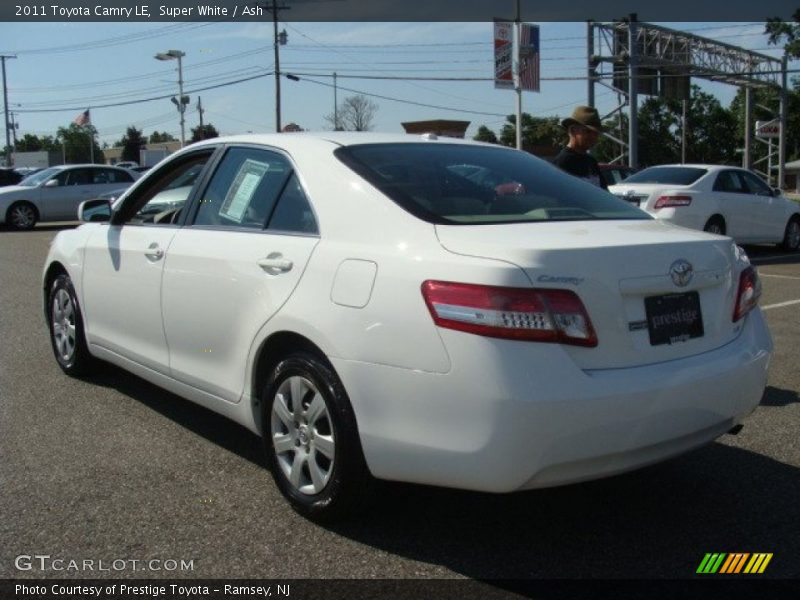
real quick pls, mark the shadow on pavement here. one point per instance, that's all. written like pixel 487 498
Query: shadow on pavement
pixel 779 397
pixel 657 522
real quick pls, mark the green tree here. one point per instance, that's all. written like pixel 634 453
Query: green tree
pixel 711 132
pixel 158 138
pixel 132 142
pixel 536 131
pixel 205 132
pixel 34 143
pixel 78 142
pixel 786 33
pixel 765 105
pixel 485 134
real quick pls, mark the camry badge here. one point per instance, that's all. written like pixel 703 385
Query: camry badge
pixel 681 272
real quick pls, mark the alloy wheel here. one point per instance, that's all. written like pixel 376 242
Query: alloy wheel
pixel 22 216
pixel 302 435
pixel 63 318
pixel 793 235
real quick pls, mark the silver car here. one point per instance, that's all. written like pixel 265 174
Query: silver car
pixel 55 193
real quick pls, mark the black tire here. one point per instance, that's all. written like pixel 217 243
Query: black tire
pixel 22 216
pixel 66 328
pixel 715 225
pixel 294 429
pixel 791 237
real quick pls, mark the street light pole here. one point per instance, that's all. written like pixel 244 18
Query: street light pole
pixel 177 55
pixel 9 157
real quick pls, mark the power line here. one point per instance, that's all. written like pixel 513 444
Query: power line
pixel 116 41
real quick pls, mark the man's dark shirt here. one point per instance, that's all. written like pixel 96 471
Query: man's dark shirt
pixel 580 165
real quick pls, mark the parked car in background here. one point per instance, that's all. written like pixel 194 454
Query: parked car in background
pixel 374 306
pixel 54 194
pixel 141 169
pixel 127 164
pixel 9 177
pixel 716 199
pixel 612 173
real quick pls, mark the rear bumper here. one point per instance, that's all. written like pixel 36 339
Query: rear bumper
pixel 512 416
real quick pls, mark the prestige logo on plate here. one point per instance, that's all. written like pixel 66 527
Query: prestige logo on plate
pixel 735 563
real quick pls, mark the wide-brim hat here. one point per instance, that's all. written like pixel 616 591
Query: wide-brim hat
pixel 585 116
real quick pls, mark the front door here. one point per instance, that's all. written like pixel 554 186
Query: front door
pixel 124 265
pixel 232 268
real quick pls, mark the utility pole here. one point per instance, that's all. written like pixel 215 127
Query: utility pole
pixel 201 111
pixel 335 106
pixel 9 157
pixel 279 39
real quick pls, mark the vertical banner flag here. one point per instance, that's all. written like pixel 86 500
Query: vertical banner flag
pixel 503 54
pixel 528 57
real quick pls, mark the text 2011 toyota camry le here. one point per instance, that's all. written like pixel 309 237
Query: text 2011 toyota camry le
pixel 413 309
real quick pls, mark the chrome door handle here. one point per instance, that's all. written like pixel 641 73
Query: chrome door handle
pixel 154 253
pixel 275 264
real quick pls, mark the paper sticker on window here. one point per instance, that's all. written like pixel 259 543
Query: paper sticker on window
pixel 244 186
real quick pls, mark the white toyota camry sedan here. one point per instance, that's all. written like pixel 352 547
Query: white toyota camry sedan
pixel 717 199
pixel 372 311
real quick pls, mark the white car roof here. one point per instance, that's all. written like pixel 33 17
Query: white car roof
pixel 339 138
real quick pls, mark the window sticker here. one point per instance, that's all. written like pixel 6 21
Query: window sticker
pixel 244 186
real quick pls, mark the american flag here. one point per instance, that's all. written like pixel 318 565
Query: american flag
pixel 83 119
pixel 529 57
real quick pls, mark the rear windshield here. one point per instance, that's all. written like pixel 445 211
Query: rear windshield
pixel 459 184
pixel 668 175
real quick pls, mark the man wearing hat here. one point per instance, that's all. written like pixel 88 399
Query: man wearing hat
pixel 584 129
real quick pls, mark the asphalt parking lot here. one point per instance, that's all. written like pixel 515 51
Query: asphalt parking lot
pixel 117 469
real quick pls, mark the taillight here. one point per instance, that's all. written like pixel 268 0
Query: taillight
pixel 540 315
pixel 748 293
pixel 667 201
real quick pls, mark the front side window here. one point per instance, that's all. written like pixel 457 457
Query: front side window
pixel 244 189
pixel 161 198
pixel 461 184
pixel 755 185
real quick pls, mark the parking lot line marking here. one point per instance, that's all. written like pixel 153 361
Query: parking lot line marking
pixel 780 304
pixel 760 274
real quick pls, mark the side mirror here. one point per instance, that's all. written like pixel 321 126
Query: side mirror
pixel 94 211
pixel 51 183
pixel 777 192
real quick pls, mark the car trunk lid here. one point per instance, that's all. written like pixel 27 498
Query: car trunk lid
pixel 621 270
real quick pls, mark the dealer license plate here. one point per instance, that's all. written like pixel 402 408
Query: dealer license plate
pixel 673 318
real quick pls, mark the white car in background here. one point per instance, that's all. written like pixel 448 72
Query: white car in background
pixel 54 194
pixel 371 311
pixel 718 199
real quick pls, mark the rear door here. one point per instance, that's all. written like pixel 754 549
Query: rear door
pixel 233 265
pixel 735 203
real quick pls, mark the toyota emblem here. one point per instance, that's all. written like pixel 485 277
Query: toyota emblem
pixel 681 272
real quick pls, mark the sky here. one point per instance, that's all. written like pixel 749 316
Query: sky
pixel 74 66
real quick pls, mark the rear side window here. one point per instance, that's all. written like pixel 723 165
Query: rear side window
pixel 668 175
pixel 244 189
pixel 462 184
pixel 729 181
